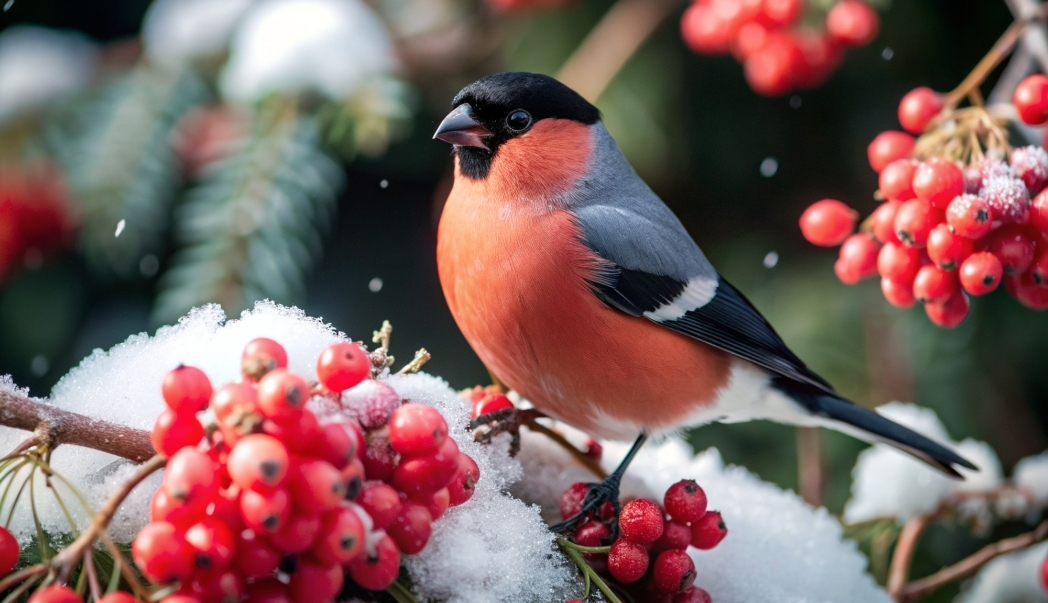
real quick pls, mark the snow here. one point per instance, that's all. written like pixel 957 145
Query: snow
pixel 331 46
pixel 890 483
pixel 178 31
pixel 1014 578
pixel 1031 473
pixel 39 64
pixel 495 547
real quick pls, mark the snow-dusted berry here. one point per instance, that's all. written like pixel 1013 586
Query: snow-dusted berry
pixel 685 501
pixel 1031 166
pixel 371 403
pixel 627 561
pixel 641 521
pixel 707 532
pixel 673 571
pixel 1008 199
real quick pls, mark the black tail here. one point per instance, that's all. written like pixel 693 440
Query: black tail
pixel 873 426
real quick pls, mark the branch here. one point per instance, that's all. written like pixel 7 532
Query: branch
pixel 968 565
pixel 809 465
pixel 1035 40
pixel 904 549
pixel 55 426
pixel 612 42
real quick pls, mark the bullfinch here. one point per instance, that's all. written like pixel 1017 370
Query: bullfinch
pixel 580 289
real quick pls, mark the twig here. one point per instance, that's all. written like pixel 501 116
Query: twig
pixel 54 426
pixel 911 533
pixel 1000 50
pixel 381 358
pixel 809 465
pixel 421 358
pixel 968 565
pixel 22 575
pixel 92 575
pixel 66 560
pixel 611 43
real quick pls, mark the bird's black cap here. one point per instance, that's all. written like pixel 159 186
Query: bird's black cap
pixel 499 107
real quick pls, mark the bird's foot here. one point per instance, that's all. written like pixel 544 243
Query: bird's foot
pixel 507 420
pixel 602 499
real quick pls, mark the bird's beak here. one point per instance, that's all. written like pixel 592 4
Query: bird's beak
pixel 460 129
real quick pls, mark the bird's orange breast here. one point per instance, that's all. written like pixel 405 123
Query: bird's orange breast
pixel 515 274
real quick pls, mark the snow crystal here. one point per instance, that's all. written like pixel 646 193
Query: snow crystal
pixel 177 31
pixel 1031 473
pixel 890 483
pixel 1014 578
pixel 332 46
pixel 38 64
pixel 778 548
pixel 123 386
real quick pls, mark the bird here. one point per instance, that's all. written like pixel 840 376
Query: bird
pixel 579 288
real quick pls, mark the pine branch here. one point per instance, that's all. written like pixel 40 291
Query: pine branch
pixel 254 227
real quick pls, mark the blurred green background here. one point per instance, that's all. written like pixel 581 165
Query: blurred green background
pixel 694 130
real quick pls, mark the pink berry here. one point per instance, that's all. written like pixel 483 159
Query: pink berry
pixel 685 501
pixel 627 561
pixel 707 532
pixel 641 521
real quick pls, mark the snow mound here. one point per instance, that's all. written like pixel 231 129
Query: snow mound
pixel 179 31
pixel 1031 473
pixel 890 483
pixel 39 64
pixel 1011 578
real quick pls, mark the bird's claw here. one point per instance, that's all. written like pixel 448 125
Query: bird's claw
pixel 508 420
pixel 598 495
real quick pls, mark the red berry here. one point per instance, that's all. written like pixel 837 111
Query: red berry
pixel 417 429
pixel 882 221
pixel 221 586
pixel 265 512
pixel 858 258
pixel 372 403
pixel 438 503
pixel 316 486
pixel 887 147
pixel 674 536
pixel 377 570
pixel 980 273
pixel 173 432
pixel 316 583
pixel 181 597
pixel 9 551
pixel 1031 166
pixel 1014 247
pixel 379 459
pixel 282 395
pixel 162 553
pixel 707 532
pixel 424 475
pixel 938 182
pixel 752 37
pixel 1029 293
pixel 336 445
pixel 1039 212
pixel 1039 269
pixel 935 285
pixel 381 502
pixel 949 314
pixel 255 559
pixel 853 23
pixel 212 542
pixel 342 537
pixel 673 571
pixel 948 249
pixel 164 507
pixel 298 534
pixel 898 294
pixel 704 32
pixel 685 501
pixel 693 594
pixel 491 403
pixel 1044 573
pixel 258 461
pixel 828 222
pixel 1031 99
pixel 918 108
pixel 186 389
pixel 261 356
pixel 190 474
pixel 464 482
pixel 591 533
pixel 55 593
pixel 627 561
pixel 268 590
pixel 118 596
pixel 1008 199
pixel 777 13
pixel 821 56
pixel 571 500
pixel 970 216
pixel 896 180
pixel 641 521
pixel 411 528
pixel 774 69
pixel 234 399
pixel 898 262
pixel 342 366
pixel 914 222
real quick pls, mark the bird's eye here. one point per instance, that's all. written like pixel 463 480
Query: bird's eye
pixel 518 120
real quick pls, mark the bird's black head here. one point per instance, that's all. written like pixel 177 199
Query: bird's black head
pixel 499 107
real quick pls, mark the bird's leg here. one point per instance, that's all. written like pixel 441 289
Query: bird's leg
pixel 602 492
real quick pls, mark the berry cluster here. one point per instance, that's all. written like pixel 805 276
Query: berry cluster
pixel 652 542
pixel 34 220
pixel 946 229
pixel 275 506
pixel 778 54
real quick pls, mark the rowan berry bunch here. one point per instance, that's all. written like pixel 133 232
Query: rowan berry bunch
pixel 270 504
pixel 774 40
pixel 650 551
pixel 34 218
pixel 962 211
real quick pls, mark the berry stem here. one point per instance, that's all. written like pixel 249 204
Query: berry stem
pixel 997 53
pixel 965 567
pixel 401 593
pixel 899 572
pixel 589 550
pixel 22 575
pixel 602 586
pixel 611 43
pixel 421 357
pixel 54 426
pixel 809 465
